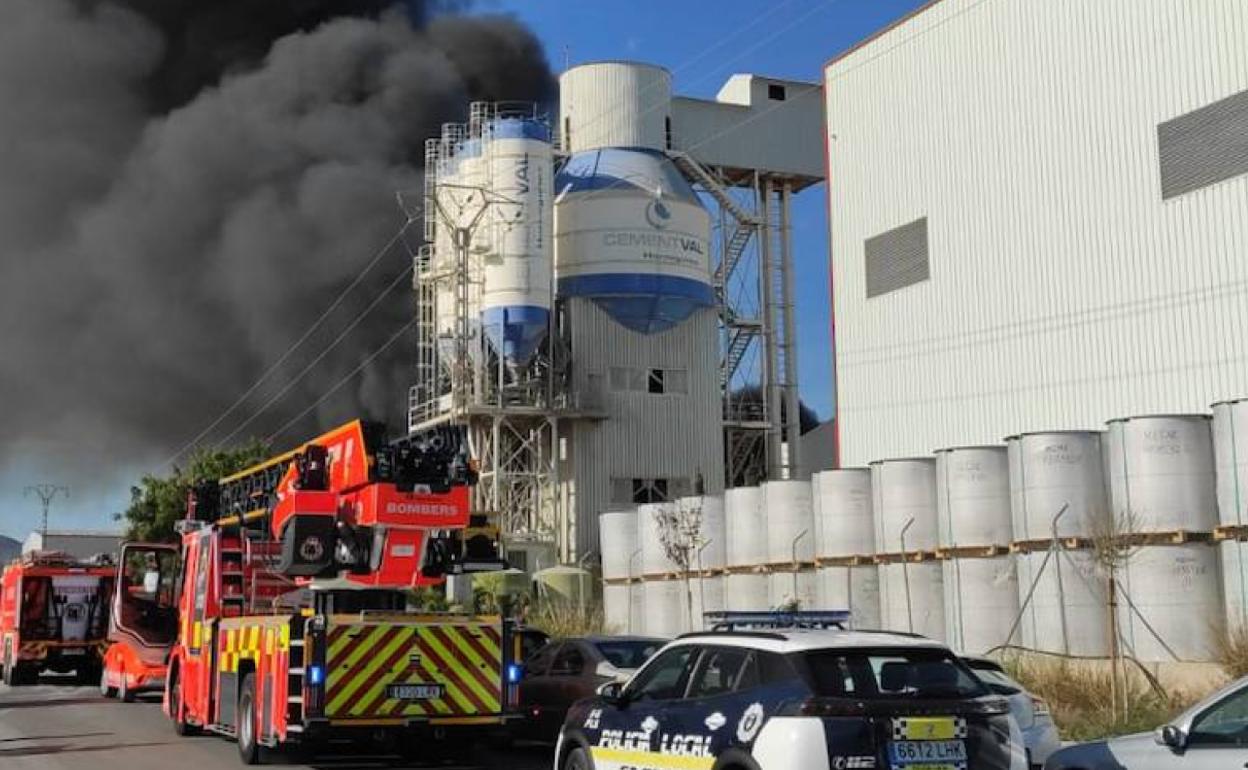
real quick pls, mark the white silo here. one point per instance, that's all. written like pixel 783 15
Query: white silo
pixel 746 586
pixel 911 581
pixel 1161 471
pixel 1057 486
pixel 1230 446
pixel 517 291
pixel 845 545
pixel 637 305
pixel 973 508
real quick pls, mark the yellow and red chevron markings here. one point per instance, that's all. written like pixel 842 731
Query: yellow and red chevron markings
pixel 362 659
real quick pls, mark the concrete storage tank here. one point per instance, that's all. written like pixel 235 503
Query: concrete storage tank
pixel 973 510
pixel 790 522
pixel 1050 472
pixel 1161 471
pixel 785 588
pixel 516 298
pixel 1177 593
pixel 654 558
pixel 637 608
pixel 615 607
pixel 845 545
pixel 746 586
pixel 617 537
pixel 712 534
pixel 1230 448
pixel 667 608
pixel 911 581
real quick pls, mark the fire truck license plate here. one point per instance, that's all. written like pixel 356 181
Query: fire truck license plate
pixel 413 691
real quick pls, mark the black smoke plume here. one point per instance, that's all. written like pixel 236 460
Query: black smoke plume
pixel 185 185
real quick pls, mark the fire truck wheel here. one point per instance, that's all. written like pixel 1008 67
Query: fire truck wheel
pixel 107 690
pixel 248 744
pixel 8 672
pixel 180 725
pixel 123 689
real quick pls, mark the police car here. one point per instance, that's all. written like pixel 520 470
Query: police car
pixel 794 697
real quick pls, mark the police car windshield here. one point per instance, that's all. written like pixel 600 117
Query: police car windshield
pixel 628 654
pixel 866 674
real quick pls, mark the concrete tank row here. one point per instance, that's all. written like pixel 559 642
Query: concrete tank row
pixel 976 546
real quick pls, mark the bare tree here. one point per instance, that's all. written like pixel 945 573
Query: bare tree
pixel 680 534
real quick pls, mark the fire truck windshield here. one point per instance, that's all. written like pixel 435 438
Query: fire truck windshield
pixel 147 600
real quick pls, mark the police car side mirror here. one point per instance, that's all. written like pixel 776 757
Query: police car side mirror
pixel 612 693
pixel 1172 737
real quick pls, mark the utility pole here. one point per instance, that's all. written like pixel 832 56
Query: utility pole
pixel 46 493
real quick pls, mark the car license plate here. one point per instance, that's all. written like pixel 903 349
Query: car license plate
pixel 929 754
pixel 74 652
pixel 413 691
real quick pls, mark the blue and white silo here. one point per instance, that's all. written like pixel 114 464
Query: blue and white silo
pixel 632 235
pixel 516 296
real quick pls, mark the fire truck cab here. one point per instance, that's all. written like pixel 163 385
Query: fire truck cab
pixel 293 619
pixel 53 616
pixel 143 624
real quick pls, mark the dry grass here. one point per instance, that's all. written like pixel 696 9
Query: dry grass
pixel 1081 699
pixel 1231 651
pixel 563 619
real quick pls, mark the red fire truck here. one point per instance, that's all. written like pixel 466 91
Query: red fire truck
pixel 143 623
pixel 293 605
pixel 53 616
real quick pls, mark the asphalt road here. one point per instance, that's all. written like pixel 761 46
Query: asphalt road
pixel 57 726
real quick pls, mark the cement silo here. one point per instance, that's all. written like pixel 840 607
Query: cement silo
pixel 1057 488
pixel 746 585
pixel 517 271
pixel 1230 445
pixel 845 545
pixel 637 305
pixel 1163 499
pixel 973 509
pixel 911 580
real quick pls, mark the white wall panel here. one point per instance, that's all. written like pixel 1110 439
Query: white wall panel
pixel 1064 291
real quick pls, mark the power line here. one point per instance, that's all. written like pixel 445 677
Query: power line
pixel 347 378
pixel 297 344
pixel 46 493
pixel 324 352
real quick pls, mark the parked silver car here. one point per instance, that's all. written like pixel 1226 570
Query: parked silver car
pixel 1032 713
pixel 1211 734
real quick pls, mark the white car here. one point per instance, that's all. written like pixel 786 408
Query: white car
pixel 1212 734
pixel 789 698
pixel 1040 734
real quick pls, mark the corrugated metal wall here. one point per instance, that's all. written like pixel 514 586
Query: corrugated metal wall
pixel 1064 290
pixel 645 435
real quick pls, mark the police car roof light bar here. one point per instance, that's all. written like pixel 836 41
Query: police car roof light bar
pixel 731 621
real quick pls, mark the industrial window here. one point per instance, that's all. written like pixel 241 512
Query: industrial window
pixel 655 381
pixel 1204 147
pixel 897 258
pixel 775 92
pixel 645 490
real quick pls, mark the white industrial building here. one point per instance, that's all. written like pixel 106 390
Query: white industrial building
pixel 1039 219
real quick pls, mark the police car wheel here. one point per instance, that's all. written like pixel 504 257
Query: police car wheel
pixel 578 759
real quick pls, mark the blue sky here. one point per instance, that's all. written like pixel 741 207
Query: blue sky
pixel 703 42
